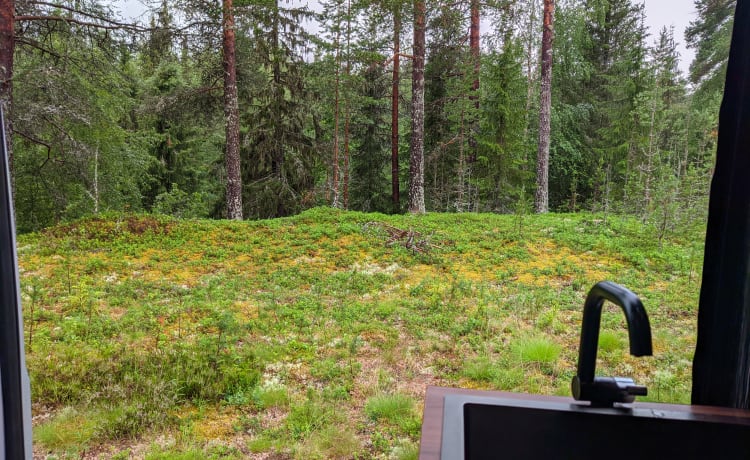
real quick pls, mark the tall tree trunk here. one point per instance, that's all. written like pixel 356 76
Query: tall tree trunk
pixel 416 165
pixel 541 199
pixel 7 47
pixel 395 198
pixel 232 117
pixel 475 56
pixel 335 160
pixel 347 115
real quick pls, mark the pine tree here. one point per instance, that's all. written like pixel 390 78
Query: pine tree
pixel 416 164
pixel 541 201
pixel 395 83
pixel 231 115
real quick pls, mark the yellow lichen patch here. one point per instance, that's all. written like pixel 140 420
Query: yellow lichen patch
pixel 184 413
pixel 658 286
pixel 147 256
pixel 318 264
pixel 216 424
pixel 418 273
pixel 33 265
pixel 183 276
pixel 527 278
pixel 553 265
pixel 472 275
pixel 348 241
pixel 473 384
pixel 246 310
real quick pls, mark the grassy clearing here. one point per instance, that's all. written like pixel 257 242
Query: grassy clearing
pixel 311 337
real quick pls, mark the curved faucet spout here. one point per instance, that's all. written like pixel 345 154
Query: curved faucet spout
pixel 639 332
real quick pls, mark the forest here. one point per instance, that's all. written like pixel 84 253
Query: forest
pixel 358 141
pixel 255 109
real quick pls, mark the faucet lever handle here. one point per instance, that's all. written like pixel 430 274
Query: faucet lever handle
pixel 637 390
pixel 605 391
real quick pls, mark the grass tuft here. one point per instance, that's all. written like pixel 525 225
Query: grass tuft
pixel 70 430
pixel 394 409
pixel 536 350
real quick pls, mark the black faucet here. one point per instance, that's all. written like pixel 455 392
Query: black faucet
pixel 605 391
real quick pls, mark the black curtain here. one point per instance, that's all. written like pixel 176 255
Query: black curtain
pixel 721 367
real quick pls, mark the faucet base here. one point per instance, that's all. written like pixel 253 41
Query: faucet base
pixel 605 391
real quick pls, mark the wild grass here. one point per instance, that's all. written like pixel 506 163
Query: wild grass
pixel 315 337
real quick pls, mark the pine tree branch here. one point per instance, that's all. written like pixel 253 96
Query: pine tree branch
pixel 109 25
pixel 97 17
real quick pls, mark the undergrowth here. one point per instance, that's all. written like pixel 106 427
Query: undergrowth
pixel 315 337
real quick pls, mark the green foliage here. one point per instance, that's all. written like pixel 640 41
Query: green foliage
pixel 331 442
pixel 396 409
pixel 195 335
pixel 270 396
pixel 609 342
pixel 503 159
pixel 536 350
pixel 68 431
pixel 283 332
pixel 141 126
pixel 71 155
pixel 278 151
pixel 615 51
pixel 710 34
pixel 371 157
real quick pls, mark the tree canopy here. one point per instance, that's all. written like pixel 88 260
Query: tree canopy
pixel 112 115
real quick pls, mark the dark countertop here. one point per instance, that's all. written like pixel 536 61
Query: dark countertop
pixel 432 425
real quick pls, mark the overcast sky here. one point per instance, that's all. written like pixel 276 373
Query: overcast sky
pixel 677 13
pixel 659 13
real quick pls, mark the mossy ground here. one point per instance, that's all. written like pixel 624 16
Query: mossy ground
pixel 311 337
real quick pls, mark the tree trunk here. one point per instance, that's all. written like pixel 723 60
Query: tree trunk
pixel 475 56
pixel 396 199
pixel 541 199
pixel 347 114
pixel 7 47
pixel 335 160
pixel 416 165
pixel 231 115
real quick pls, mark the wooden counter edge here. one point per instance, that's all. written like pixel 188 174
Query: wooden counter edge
pixel 432 420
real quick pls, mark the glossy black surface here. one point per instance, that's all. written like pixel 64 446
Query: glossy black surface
pixel 496 428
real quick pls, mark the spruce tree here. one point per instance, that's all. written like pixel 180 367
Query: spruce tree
pixel 710 35
pixel 614 53
pixel 279 150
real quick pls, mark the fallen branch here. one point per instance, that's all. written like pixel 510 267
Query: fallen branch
pixel 409 239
